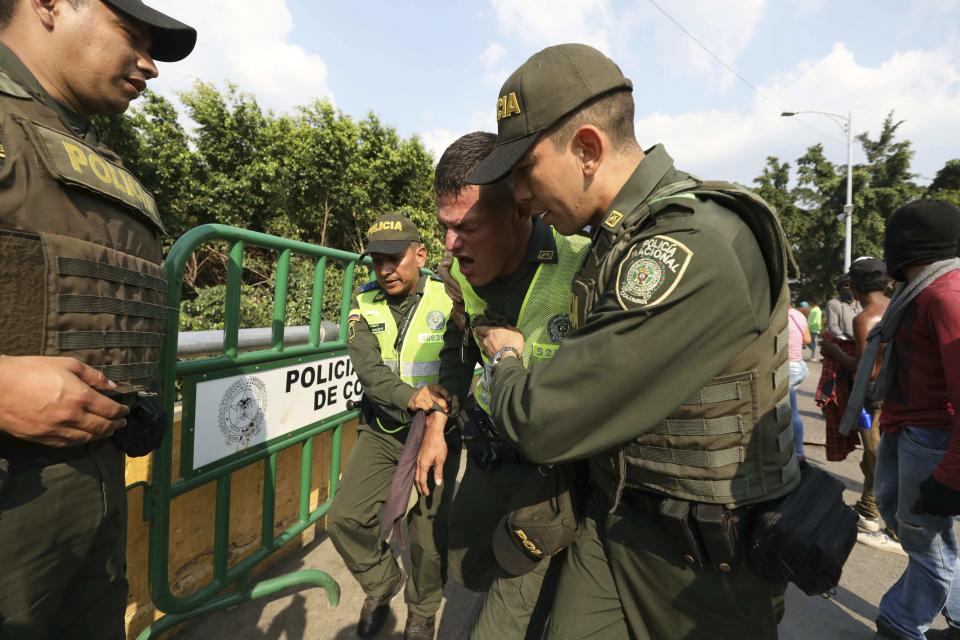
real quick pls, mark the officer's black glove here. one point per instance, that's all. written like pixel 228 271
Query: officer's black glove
pixel 146 426
pixel 937 499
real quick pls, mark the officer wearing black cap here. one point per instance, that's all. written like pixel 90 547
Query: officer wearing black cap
pixel 395 330
pixel 81 308
pixel 673 380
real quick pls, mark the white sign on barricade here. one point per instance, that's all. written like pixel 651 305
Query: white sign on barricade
pixel 239 412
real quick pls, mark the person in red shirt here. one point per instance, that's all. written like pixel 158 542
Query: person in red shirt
pixel 918 460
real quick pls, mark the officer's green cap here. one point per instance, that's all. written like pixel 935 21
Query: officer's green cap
pixel 171 40
pixel 391 234
pixel 548 86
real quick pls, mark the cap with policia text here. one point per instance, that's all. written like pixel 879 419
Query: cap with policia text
pixel 391 234
pixel 171 39
pixel 541 522
pixel 548 86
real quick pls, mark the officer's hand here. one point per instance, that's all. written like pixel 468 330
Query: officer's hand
pixel 429 398
pixel 433 453
pixel 452 287
pixel 53 401
pixel 492 339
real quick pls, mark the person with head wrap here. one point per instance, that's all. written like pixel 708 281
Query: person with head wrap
pixel 918 459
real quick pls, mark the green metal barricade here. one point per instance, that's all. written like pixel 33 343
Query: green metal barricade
pixel 245 416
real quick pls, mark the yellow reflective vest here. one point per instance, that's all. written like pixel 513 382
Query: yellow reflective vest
pixel 545 314
pixel 418 360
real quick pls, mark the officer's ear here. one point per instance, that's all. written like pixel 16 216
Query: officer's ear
pixel 589 146
pixel 421 252
pixel 46 11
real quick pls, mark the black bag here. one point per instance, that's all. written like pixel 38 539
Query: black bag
pixel 806 536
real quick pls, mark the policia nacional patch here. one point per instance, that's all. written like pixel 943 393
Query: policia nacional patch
pixel 651 271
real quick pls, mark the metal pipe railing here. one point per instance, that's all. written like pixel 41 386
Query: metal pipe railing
pixel 202 343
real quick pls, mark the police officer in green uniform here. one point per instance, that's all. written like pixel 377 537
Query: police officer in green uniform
pixel 395 334
pixel 81 308
pixel 510 264
pixel 673 381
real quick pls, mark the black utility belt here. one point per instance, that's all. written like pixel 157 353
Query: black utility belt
pixel 19 455
pixel 703 534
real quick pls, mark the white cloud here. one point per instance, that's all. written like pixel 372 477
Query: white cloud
pixel 535 24
pixel 494 72
pixel 437 139
pixel 250 47
pixel 921 86
pixel 621 29
pixel 808 8
pixel 723 27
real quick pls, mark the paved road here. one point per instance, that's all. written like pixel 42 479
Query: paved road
pixel 304 614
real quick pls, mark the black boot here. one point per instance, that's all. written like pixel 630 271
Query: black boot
pixel 374 611
pixel 418 627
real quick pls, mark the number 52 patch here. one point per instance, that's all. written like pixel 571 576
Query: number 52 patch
pixel 651 271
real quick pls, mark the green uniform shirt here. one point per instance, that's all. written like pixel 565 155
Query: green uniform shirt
pixel 506 296
pixel 380 384
pixel 630 365
pixel 14 67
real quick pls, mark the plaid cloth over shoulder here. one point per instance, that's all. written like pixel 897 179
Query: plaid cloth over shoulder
pixel 833 391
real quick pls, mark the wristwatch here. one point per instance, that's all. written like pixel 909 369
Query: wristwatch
pixel 498 356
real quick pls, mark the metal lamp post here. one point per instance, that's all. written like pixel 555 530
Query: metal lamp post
pixel 845 124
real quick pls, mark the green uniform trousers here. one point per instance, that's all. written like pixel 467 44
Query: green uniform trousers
pixel 623 579
pixel 62 548
pixel 353 523
pixel 482 500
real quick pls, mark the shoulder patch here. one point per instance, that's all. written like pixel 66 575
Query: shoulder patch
pixel 651 271
pixel 370 286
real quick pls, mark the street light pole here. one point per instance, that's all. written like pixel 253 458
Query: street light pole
pixel 845 124
pixel 848 207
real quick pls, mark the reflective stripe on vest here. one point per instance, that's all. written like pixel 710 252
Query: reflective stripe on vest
pixel 418 362
pixel 545 314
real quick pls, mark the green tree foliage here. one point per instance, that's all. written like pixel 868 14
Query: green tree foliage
pixel 315 175
pixel 946 184
pixel 811 210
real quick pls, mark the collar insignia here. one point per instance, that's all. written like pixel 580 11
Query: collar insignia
pixel 613 219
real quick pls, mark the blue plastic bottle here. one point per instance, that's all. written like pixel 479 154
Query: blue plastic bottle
pixel 866 421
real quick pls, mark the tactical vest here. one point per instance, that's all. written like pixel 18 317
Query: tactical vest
pixel 544 315
pixel 80 248
pixel 732 442
pixel 418 360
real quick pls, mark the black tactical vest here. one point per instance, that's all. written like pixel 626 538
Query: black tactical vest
pixel 80 248
pixel 732 442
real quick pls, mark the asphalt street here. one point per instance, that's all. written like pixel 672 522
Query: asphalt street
pixel 847 615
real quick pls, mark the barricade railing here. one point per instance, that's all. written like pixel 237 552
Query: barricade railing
pixel 231 420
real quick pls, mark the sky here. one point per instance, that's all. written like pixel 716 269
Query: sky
pixel 434 68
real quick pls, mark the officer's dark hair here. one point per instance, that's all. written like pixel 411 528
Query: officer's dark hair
pixel 868 282
pixel 7 7
pixel 611 112
pixel 459 160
